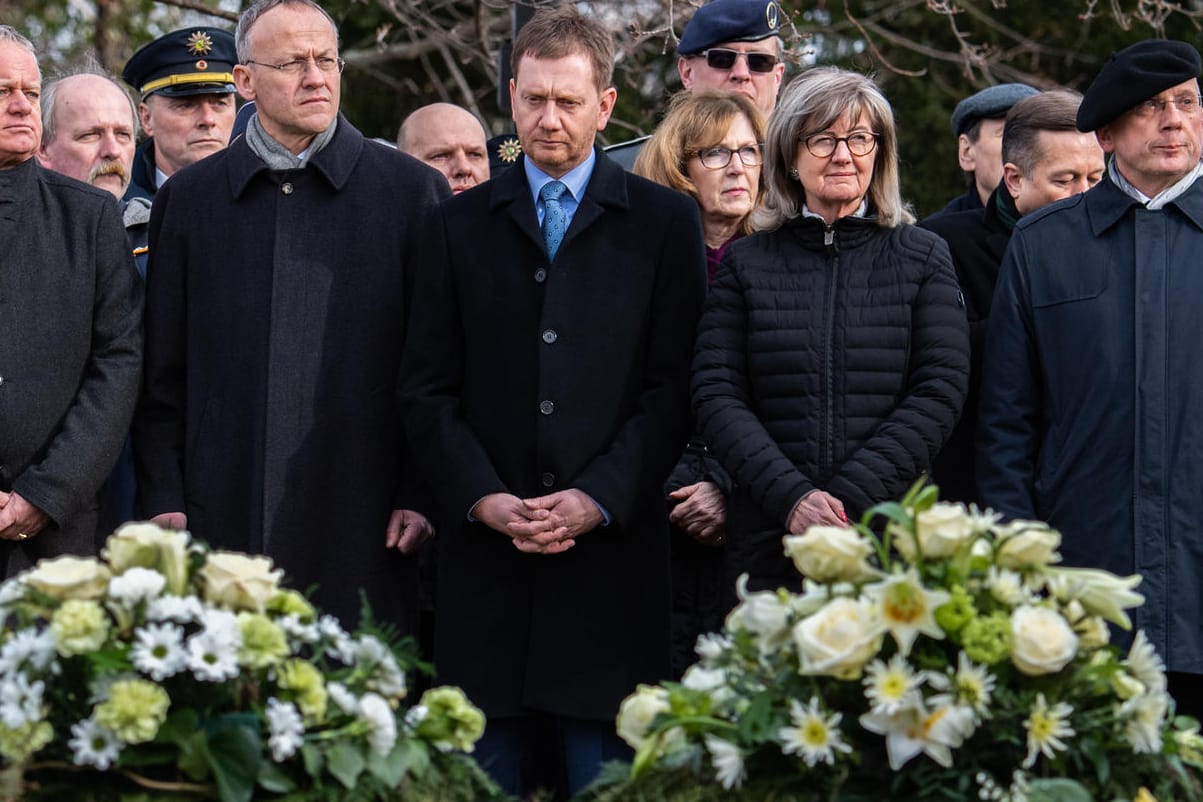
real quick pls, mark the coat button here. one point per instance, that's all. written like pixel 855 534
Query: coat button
pixel 548 479
pixel 286 187
pixel 547 407
pixel 550 336
pixel 541 275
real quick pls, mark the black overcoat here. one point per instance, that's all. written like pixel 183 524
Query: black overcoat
pixel 276 310
pixel 528 377
pixel 70 351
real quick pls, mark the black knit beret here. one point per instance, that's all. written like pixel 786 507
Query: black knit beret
pixel 1132 76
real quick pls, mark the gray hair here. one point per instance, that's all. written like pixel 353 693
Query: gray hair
pixel 50 96
pixel 249 17
pixel 809 105
pixel 10 34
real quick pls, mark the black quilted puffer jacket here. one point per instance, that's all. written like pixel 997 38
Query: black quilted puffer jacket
pixel 830 357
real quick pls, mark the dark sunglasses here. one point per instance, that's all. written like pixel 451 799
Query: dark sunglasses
pixel 721 59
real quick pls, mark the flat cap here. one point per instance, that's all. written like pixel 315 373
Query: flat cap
pixel 190 61
pixel 1132 76
pixel 991 103
pixel 722 21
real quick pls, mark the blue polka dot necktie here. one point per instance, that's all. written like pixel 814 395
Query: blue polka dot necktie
pixel 555 219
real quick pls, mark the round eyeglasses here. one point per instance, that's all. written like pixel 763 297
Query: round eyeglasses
pixel 823 145
pixel 1188 105
pixel 720 157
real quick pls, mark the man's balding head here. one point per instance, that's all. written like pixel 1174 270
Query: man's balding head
pixel 451 140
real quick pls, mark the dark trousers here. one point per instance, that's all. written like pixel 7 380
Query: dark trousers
pixel 527 753
pixel 1187 690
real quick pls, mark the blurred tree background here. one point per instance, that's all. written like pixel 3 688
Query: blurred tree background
pixel 927 54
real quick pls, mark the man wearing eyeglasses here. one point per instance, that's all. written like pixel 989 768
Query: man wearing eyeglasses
pixel 187 110
pixel 279 278
pixel 1092 384
pixel 734 45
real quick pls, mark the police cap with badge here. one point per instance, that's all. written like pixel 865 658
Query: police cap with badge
pixel 723 21
pixel 1133 75
pixel 190 61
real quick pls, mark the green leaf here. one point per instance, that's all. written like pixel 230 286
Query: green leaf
pixel 273 779
pixel 194 758
pixel 345 762
pixel 181 725
pixel 235 754
pixel 1057 790
pixel 390 768
pixel 313 759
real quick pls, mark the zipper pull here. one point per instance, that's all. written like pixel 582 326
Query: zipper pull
pixel 829 235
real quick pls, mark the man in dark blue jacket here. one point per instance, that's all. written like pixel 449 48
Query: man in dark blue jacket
pixel 1092 387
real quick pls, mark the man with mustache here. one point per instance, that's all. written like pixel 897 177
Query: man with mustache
pixel 1092 384
pixel 71 329
pixel 186 82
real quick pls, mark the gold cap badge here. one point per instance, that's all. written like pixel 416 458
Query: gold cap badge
pixel 199 43
pixel 509 150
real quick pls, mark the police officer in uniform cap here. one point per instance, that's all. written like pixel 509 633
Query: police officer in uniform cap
pixel 732 45
pixel 186 82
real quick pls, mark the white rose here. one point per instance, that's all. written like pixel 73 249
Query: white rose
pixel 830 554
pixel 638 711
pixel 146 545
pixel 239 581
pixel 1026 544
pixel 942 529
pixel 69 578
pixel 1042 642
pixel 839 639
pixel 1100 592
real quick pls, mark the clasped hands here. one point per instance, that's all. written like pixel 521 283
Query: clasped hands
pixel 545 525
pixel 18 518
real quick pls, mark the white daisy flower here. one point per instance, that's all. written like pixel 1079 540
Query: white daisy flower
pixel 286 731
pixel 907 608
pixel 158 650
pixel 180 609
pixel 728 762
pixel 213 657
pixel 382 726
pixel 1145 721
pixel 1145 664
pixel 343 699
pixel 20 701
pixel 814 736
pixel 297 630
pixel 93 745
pixel 222 624
pixel 892 686
pixel 135 585
pixel 972 685
pixel 29 649
pixel 1047 728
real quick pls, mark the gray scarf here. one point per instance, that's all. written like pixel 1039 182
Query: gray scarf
pixel 1165 196
pixel 275 155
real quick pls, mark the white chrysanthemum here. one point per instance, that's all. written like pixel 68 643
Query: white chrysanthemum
pixel 20 701
pixel 1145 721
pixel 416 715
pixel 907 608
pixel 343 699
pixel 297 630
pixel 386 677
pixel 1047 728
pixel 158 650
pixel 286 731
pixel 29 649
pixel 136 585
pixel 1007 587
pixel 1145 664
pixel 728 762
pixel 972 685
pixel 222 624
pixel 382 726
pixel 710 646
pixel 180 609
pixel 93 745
pixel 814 736
pixel 213 656
pixel 892 686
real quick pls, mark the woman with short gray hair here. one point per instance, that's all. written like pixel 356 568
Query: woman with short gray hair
pixel 833 356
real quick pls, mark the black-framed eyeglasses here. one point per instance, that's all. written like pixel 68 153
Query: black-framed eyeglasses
pixel 720 58
pixel 1155 107
pixel 718 158
pixel 299 66
pixel 823 145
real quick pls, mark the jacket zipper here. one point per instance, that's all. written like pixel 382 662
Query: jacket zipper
pixel 827 423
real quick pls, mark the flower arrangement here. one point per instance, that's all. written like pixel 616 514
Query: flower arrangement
pixel 947 658
pixel 192 672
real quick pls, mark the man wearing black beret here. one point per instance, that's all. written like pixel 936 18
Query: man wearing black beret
pixel 186 83
pixel 1092 384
